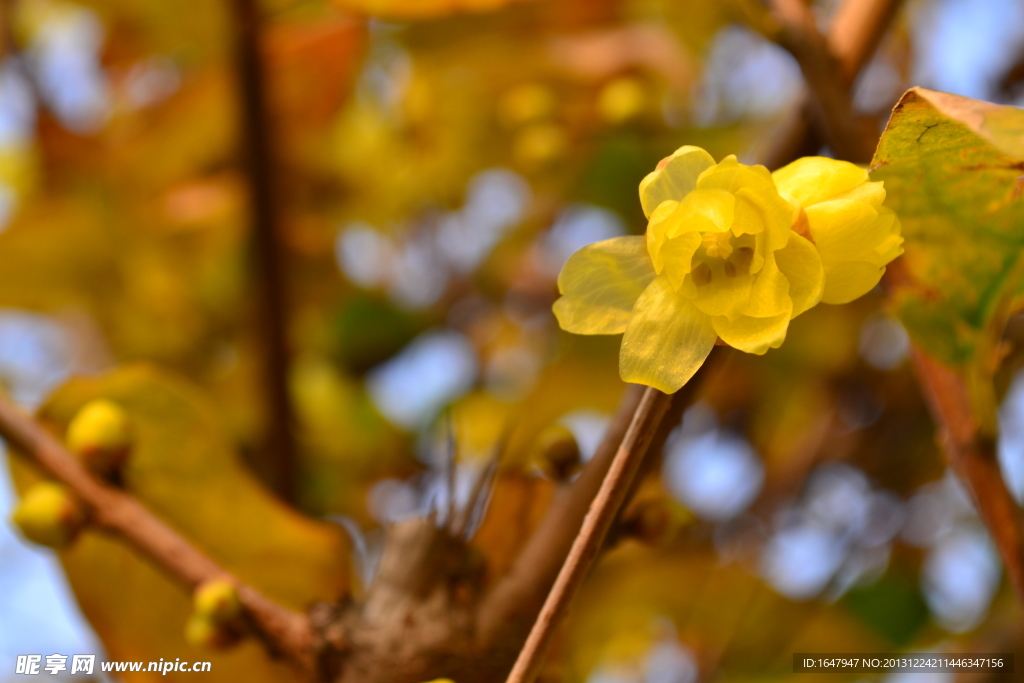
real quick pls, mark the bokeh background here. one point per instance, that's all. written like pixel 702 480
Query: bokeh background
pixel 433 173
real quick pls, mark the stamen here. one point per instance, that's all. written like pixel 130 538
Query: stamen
pixel 718 244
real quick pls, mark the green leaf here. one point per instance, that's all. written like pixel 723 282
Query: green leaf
pixel 954 171
pixel 183 470
pixel 892 607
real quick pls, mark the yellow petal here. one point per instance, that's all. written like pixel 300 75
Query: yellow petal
pixel 748 218
pixel 657 230
pixel 897 228
pixel 777 215
pixel 666 341
pixel 815 179
pixel 849 280
pixel 769 295
pixel 718 206
pixel 753 335
pixel 892 246
pixel 800 263
pixel 843 228
pixel 677 255
pixel 675 179
pixel 665 225
pixel 889 249
pixel 872 193
pixel 600 283
pixel 728 296
pixel 731 175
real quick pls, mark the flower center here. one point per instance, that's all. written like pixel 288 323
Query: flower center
pixel 718 244
pixel 722 255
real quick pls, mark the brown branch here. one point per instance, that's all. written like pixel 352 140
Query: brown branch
pixel 509 608
pixel 831 96
pixel 856 30
pixel 515 599
pixel 972 455
pixel 278 462
pixel 970 452
pixel 112 510
pixel 585 549
pixel 8 47
pixel 853 36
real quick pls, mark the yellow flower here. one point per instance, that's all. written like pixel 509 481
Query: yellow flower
pixel 719 261
pixel 842 213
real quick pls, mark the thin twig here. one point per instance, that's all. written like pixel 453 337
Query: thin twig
pixel 854 33
pixel 8 48
pixel 972 455
pixel 585 549
pixel 466 523
pixel 969 452
pixel 844 132
pixel 278 463
pixel 513 602
pixel 450 471
pixel 117 512
pixel 510 608
pixel 856 30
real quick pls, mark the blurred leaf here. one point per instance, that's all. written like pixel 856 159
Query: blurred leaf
pixel 953 168
pixel 733 623
pixel 347 443
pixel 55 254
pixel 517 505
pixel 368 330
pixel 313 64
pixel 419 9
pixel 613 175
pixel 892 607
pixel 191 31
pixel 182 469
pixel 697 22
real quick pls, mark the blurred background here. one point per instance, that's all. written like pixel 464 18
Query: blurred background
pixel 390 259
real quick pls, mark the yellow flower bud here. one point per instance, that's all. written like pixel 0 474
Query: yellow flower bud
pixel 540 144
pixel 558 452
pixel 525 103
pixel 842 213
pixel 217 600
pixel 49 515
pixel 100 435
pixel 202 631
pixel 648 522
pixel 621 100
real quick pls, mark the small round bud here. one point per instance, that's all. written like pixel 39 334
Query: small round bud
pixel 49 515
pixel 217 600
pixel 621 100
pixel 202 631
pixel 525 103
pixel 648 522
pixel 558 452
pixel 100 435
pixel 540 144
